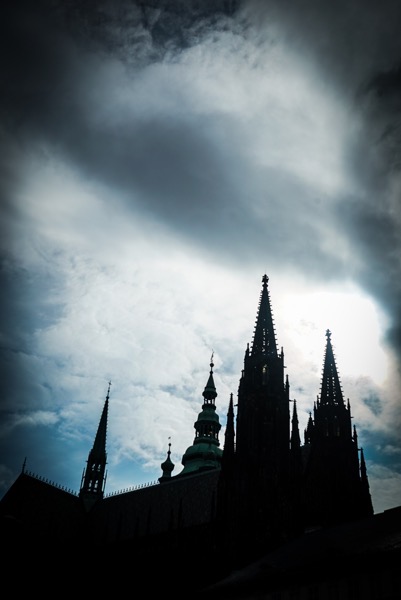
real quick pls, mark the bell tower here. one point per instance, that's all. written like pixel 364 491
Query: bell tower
pixel 336 488
pixel 258 481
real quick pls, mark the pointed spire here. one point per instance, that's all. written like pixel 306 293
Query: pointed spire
pixel 167 466
pixel 264 338
pixel 355 437
pixel 331 392
pixel 363 467
pixel 99 446
pixel 229 436
pixel 295 439
pixel 209 393
pixel 366 496
pixel 93 478
pixel 309 430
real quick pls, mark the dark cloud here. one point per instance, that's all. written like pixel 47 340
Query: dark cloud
pixel 357 49
pixel 373 402
pixel 351 41
pixel 171 167
pixel 52 52
pixel 25 310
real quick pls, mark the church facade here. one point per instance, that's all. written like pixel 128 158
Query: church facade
pixel 234 500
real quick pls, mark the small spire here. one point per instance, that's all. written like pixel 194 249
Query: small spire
pixel 229 445
pixel 367 498
pixel 24 465
pixel 309 430
pixel 295 439
pixel 363 466
pixel 167 466
pixel 209 393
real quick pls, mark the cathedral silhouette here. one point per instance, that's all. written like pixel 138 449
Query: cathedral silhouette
pixel 262 493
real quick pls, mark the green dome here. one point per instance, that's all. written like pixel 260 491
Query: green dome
pixel 201 456
pixel 208 414
pixel 205 449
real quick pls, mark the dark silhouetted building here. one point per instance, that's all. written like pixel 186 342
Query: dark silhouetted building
pixel 237 520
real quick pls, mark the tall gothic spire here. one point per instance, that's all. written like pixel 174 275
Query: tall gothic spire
pixel 331 392
pixel 93 478
pixel 333 462
pixel 264 338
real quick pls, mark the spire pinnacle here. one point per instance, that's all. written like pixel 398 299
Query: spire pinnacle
pixel 167 466
pixel 209 392
pixel 264 339
pixel 229 437
pixel 331 392
pixel 295 439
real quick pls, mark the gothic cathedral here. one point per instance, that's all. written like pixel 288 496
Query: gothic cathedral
pixel 231 504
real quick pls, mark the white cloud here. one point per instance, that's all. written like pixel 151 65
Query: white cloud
pixel 385 487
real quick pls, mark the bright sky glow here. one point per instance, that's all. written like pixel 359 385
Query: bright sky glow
pixel 356 325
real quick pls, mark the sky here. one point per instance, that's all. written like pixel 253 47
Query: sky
pixel 157 159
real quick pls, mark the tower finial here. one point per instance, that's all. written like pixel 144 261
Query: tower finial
pixel 167 466
pixel 264 337
pixel 108 391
